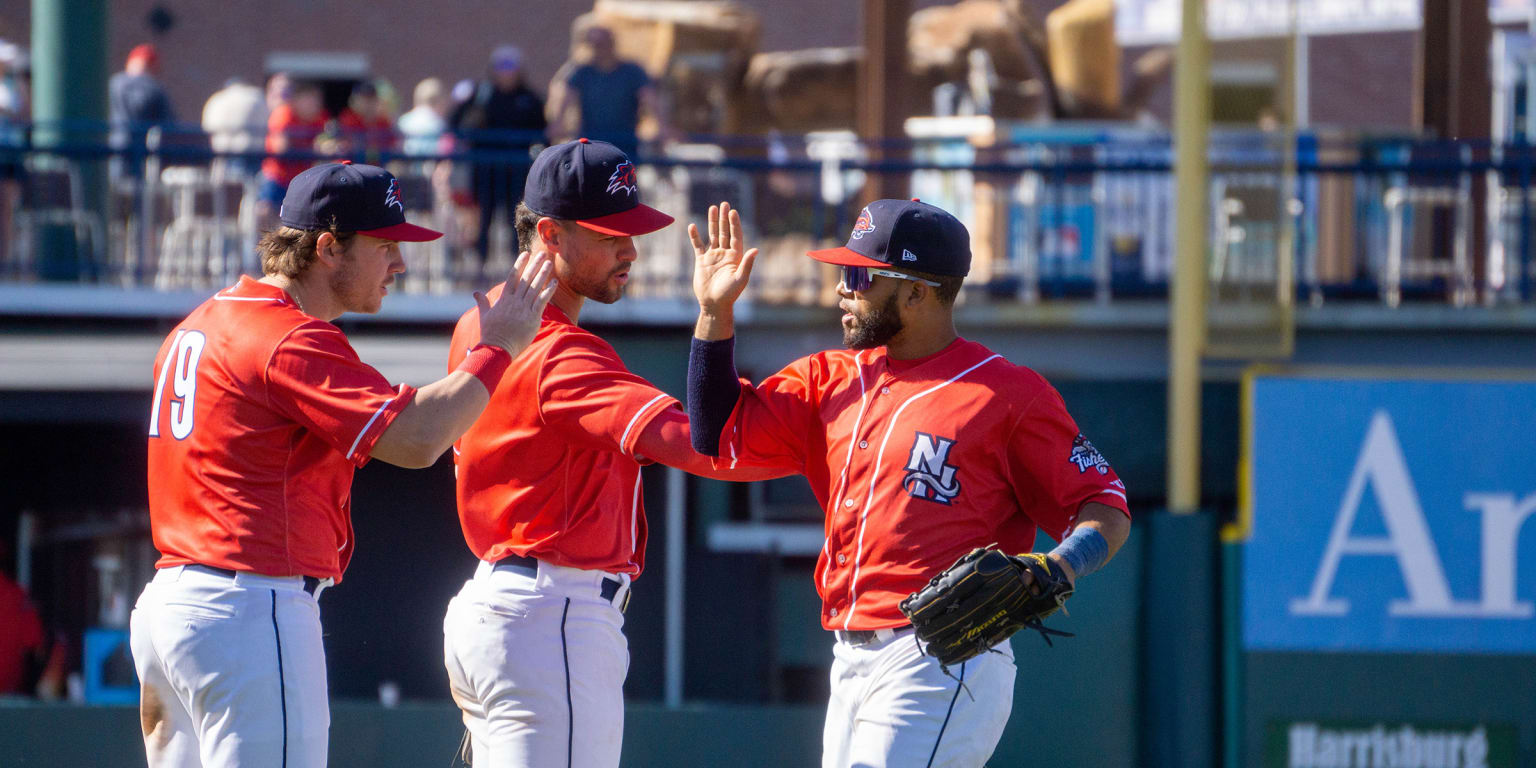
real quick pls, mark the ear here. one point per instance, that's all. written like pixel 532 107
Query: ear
pixel 549 232
pixel 919 293
pixel 327 250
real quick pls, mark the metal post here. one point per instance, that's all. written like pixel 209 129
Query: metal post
pixel 69 92
pixel 882 95
pixel 26 534
pixel 677 545
pixel 1186 326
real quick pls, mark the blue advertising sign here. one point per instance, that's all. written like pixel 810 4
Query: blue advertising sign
pixel 1390 515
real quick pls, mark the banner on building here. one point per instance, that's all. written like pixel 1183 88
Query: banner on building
pixel 1157 22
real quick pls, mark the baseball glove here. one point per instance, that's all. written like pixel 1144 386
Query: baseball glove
pixel 982 600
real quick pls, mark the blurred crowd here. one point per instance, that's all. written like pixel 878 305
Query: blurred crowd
pixel 266 133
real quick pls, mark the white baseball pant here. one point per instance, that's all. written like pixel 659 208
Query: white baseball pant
pixel 231 671
pixel 537 664
pixel 893 707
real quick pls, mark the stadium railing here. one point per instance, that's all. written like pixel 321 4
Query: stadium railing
pixel 1055 213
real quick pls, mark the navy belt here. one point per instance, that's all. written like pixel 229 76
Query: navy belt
pixel 310 582
pixel 524 565
pixel 867 636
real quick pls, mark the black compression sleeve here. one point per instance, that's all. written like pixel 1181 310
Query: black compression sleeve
pixel 713 390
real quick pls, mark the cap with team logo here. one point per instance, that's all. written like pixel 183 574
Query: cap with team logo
pixel 593 184
pixel 355 198
pixel 904 235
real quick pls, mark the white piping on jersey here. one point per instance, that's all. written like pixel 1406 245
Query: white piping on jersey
pixel 826 543
pixel 624 440
pixel 248 298
pixel 1114 493
pixel 371 420
pixel 634 518
pixel 853 585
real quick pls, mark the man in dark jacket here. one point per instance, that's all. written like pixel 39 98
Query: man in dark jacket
pixel 137 101
pixel 501 122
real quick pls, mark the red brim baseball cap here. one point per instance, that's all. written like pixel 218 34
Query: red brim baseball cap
pixel 639 220
pixel 846 257
pixel 404 232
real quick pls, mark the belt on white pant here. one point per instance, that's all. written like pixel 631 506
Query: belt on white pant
pixel 310 584
pixel 857 637
pixel 523 565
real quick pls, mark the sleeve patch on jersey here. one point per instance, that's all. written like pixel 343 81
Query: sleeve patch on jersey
pixel 1084 455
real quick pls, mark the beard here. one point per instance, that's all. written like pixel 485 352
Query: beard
pixel 602 291
pixel 875 329
pixel 354 296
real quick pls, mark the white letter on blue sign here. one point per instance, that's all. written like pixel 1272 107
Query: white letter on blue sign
pixel 1381 465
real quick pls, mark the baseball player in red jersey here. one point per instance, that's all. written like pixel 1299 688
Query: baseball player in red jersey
pixel 920 446
pixel 261 413
pixel 549 488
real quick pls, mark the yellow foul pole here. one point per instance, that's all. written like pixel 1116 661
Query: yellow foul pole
pixel 1186 326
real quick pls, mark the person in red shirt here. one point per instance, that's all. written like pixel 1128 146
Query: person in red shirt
pixel 292 127
pixel 22 642
pixel 366 127
pixel 549 490
pixel 261 413
pixel 920 446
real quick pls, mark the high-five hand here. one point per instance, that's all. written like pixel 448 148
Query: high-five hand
pixel 722 265
pixel 513 320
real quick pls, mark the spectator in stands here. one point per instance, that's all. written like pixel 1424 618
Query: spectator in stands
pixel 609 93
pixel 422 128
pixel 279 90
pixel 13 140
pixel 292 128
pixel 500 122
pixel 21 642
pixel 366 125
pixel 137 101
pixel 235 119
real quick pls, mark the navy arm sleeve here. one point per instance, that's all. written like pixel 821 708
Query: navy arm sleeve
pixel 713 389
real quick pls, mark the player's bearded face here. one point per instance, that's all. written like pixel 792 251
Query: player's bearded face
pixel 596 266
pixel 874 327
pixel 364 273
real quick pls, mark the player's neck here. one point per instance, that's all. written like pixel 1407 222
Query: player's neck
pixel 313 301
pixel 569 302
pixel 921 340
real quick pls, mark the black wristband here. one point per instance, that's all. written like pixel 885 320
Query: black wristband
pixel 713 389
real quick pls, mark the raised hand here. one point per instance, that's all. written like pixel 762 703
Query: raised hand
pixel 513 320
pixel 721 265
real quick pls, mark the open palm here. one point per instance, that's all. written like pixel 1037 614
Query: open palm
pixel 722 264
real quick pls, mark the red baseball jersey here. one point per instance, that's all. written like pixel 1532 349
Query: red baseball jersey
pixel 917 462
pixel 549 470
pixel 261 415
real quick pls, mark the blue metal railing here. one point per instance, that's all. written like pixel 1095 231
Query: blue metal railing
pixel 1055 212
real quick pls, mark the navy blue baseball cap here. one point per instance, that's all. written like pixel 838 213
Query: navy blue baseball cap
pixel 593 184
pixel 904 235
pixel 357 198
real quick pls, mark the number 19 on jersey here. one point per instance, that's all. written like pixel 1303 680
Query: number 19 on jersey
pixel 186 352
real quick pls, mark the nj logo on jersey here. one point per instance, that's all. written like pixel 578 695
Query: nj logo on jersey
pixel 623 180
pixel 392 196
pixel 929 475
pixel 1084 455
pixel 863 225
